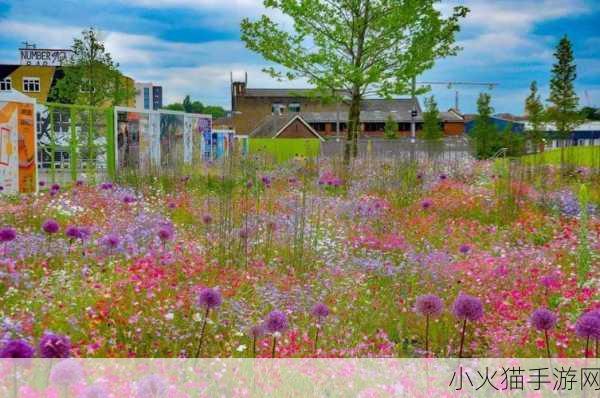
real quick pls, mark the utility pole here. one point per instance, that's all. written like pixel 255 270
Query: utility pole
pixel 413 127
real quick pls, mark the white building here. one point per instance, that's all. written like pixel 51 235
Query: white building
pixel 148 96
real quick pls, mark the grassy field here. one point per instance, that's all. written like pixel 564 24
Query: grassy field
pixel 577 156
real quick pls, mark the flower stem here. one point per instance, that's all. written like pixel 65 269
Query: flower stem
pixel 274 343
pixel 316 338
pixel 547 344
pixel 462 339
pixel 427 335
pixel 202 333
pixel 587 347
pixel 254 347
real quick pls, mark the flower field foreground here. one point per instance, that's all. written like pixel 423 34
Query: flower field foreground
pixel 248 259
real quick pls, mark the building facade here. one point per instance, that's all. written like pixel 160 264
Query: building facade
pixel 148 96
pixel 254 111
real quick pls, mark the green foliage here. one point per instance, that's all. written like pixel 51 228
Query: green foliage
pixel 590 113
pixel 190 106
pixel 563 98
pixel 431 122
pixel 536 114
pixel 584 254
pixel 513 142
pixel 485 133
pixel 391 128
pixel 283 149
pixel 91 77
pixel 357 47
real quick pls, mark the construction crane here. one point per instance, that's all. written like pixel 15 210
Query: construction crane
pixel 450 85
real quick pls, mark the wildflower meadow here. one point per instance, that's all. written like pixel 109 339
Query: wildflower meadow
pixel 311 258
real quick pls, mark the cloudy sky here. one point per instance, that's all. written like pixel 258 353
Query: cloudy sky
pixel 190 46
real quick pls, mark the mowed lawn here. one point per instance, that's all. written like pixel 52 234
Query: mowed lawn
pixel 588 156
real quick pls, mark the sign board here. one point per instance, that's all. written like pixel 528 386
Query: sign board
pixel 17 148
pixel 44 56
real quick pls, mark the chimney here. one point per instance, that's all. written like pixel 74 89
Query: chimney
pixel 238 89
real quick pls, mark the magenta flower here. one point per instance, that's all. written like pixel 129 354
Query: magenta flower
pixel 209 298
pixel 466 308
pixel 127 199
pixel 544 320
pixel 54 346
pixel 207 219
pixel 7 234
pixel 275 323
pixel 16 349
pixel 320 310
pixel 50 226
pixel 426 204
pixel 111 241
pixel 165 233
pixel 428 305
pixel 464 248
pixel 55 187
pixel 588 327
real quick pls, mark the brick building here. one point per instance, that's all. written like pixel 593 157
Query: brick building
pixel 262 112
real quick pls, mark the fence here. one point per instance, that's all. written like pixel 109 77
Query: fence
pixel 448 149
pixel 73 141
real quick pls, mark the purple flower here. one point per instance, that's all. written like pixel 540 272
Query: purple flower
pixel 543 319
pixel 443 177
pixel 95 391
pixel 209 298
pixel 464 248
pixel 1 188
pixel 79 183
pixel 72 232
pixel 276 322
pixel 42 183
pixel 54 346
pixel 128 199
pixel 207 219
pixel 7 234
pixel 320 310
pixel 55 187
pixel 111 241
pixel 244 233
pixel 165 233
pixel 429 305
pixel 50 226
pixel 426 204
pixel 257 331
pixel 66 372
pixel 106 186
pixel 16 349
pixel 84 233
pixel 588 325
pixel 266 180
pixel 467 307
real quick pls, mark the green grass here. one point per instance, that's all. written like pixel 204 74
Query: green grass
pixel 283 149
pixel 588 156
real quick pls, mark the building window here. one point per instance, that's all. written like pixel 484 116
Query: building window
pixel 294 108
pixel 6 84
pixel 277 109
pixel 31 84
pixel 146 98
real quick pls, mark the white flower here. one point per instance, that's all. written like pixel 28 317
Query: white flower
pixel 169 316
pixel 241 347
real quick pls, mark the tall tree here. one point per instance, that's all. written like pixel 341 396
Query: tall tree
pixel 485 133
pixel 563 110
pixel 91 77
pixel 431 120
pixel 350 49
pixel 534 108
